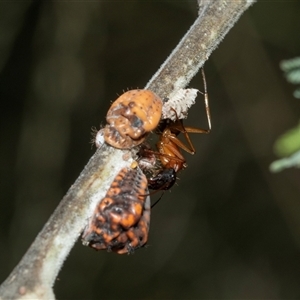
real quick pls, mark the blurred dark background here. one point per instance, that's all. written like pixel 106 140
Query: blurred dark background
pixel 230 229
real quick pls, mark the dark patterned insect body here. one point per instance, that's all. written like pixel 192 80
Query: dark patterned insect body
pixel 163 180
pixel 121 220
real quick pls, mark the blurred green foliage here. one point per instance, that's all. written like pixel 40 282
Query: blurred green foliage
pixel 291 68
pixel 288 144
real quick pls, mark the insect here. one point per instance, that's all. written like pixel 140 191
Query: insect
pixel 163 180
pixel 121 220
pixel 131 117
pixel 169 147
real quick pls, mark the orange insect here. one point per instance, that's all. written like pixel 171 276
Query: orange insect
pixel 169 147
pixel 131 117
pixel 121 220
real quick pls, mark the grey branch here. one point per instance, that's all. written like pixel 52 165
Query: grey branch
pixel 214 21
pixel 35 275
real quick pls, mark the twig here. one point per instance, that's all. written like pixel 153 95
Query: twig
pixel 214 21
pixel 35 275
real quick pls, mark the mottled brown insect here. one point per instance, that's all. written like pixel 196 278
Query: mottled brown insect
pixel 171 159
pixel 169 147
pixel 131 117
pixel 121 220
